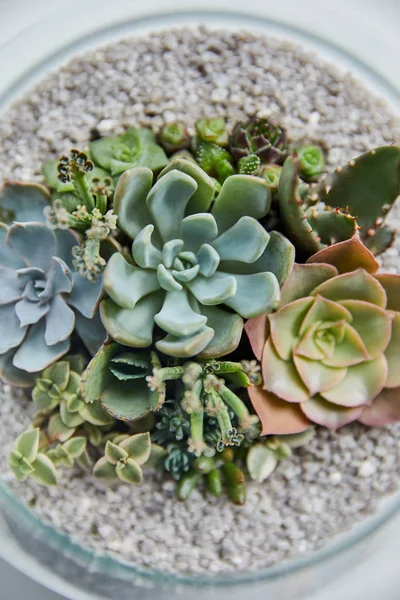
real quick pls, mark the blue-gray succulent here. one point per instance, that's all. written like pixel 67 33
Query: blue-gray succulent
pixel 188 261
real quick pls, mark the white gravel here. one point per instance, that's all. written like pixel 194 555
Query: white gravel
pixel 338 478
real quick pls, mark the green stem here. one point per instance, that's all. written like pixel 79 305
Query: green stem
pixel 101 202
pixel 169 373
pixel 81 186
pixel 234 402
pixel 221 415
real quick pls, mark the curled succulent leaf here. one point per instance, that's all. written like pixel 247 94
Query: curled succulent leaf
pixel 260 137
pixel 330 354
pixel 26 460
pixel 311 161
pixel 212 130
pixel 124 458
pixel 174 136
pixel 136 147
pixel 187 263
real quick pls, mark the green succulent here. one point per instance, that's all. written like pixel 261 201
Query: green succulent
pixel 26 460
pixel 188 261
pixel 178 460
pixel 212 130
pixel 68 453
pixel 174 137
pixel 272 175
pixel 136 147
pixel 173 425
pixel 258 136
pixel 123 459
pixel 330 352
pixel 214 160
pixel 249 165
pixel 311 160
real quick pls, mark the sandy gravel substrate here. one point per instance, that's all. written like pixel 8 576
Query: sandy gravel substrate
pixel 338 478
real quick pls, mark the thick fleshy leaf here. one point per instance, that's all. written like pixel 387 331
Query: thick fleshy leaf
pixel 197 230
pixel 58 432
pixel 391 285
pixel 166 280
pixel 10 290
pixel 324 310
pixel 130 200
pixel 12 333
pixel 97 375
pixel 281 377
pixel 144 252
pixel 316 376
pixel 126 284
pixel 65 240
pixel 8 258
pixel 245 241
pixel 105 471
pixel 129 400
pixel 138 447
pixel 350 351
pixel 28 444
pixel 167 202
pixel 208 260
pixel 392 353
pixel 186 346
pixel 260 462
pixel 45 471
pixel 213 290
pixel 201 200
pixel 91 331
pixel 33 242
pixel 59 280
pixel 96 415
pixel 177 316
pixel 347 256
pixel 285 325
pixel 130 365
pixel 227 328
pixel 85 295
pixel 132 327
pixel 255 294
pixel 241 195
pixel 30 312
pixel 114 453
pixel 329 415
pixel 303 280
pixel 358 285
pixel 11 374
pixel 130 472
pixel 361 384
pixel 34 354
pixel 58 374
pixel 277 416
pixel 309 346
pixel 257 330
pixel 70 419
pixel 372 323
pixel 60 321
pixel 23 202
pixel 384 410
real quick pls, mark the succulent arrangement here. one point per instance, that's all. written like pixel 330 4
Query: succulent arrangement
pixel 152 308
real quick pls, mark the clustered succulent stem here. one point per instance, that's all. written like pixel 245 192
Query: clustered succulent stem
pixel 234 402
pixel 82 188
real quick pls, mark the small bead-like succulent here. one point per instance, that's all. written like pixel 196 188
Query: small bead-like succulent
pixel 123 459
pixel 136 147
pixel 43 299
pixel 27 460
pixel 212 130
pixel 174 137
pixel 330 354
pixel 191 265
pixel 260 137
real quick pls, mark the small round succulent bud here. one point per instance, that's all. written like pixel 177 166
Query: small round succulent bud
pixel 272 175
pixel 249 165
pixel 260 137
pixel 174 136
pixel 311 161
pixel 212 130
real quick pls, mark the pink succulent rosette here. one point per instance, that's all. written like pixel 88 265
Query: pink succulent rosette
pixel 330 354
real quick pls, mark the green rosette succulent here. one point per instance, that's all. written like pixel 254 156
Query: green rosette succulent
pixel 174 137
pixel 330 353
pixel 196 274
pixel 124 457
pixel 212 130
pixel 258 136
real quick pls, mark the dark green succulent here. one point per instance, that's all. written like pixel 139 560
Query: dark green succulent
pixel 172 424
pixel 178 460
pixel 258 136
pixel 214 160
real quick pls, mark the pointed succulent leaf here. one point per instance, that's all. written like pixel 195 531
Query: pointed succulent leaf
pixel 70 419
pixel 138 447
pixel 358 285
pixel 97 375
pixel 129 472
pixel 304 279
pixel 58 374
pixel 347 256
pixel 260 462
pixel 276 415
pixel 281 376
pixel 114 453
pixel 368 186
pixel 44 470
pixel 27 444
pixel 75 446
pixel 200 201
pixel 58 431
pixel 332 416
pixel 105 471
pixel 23 202
pixel 332 225
pixel 292 210
pixel 241 195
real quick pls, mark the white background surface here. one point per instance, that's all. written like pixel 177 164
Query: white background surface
pixel 373 26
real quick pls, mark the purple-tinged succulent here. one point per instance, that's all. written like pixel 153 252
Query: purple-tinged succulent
pixel 330 354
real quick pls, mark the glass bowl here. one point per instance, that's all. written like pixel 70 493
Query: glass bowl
pixel 51 557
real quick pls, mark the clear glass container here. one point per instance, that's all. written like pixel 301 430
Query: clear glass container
pixel 35 548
